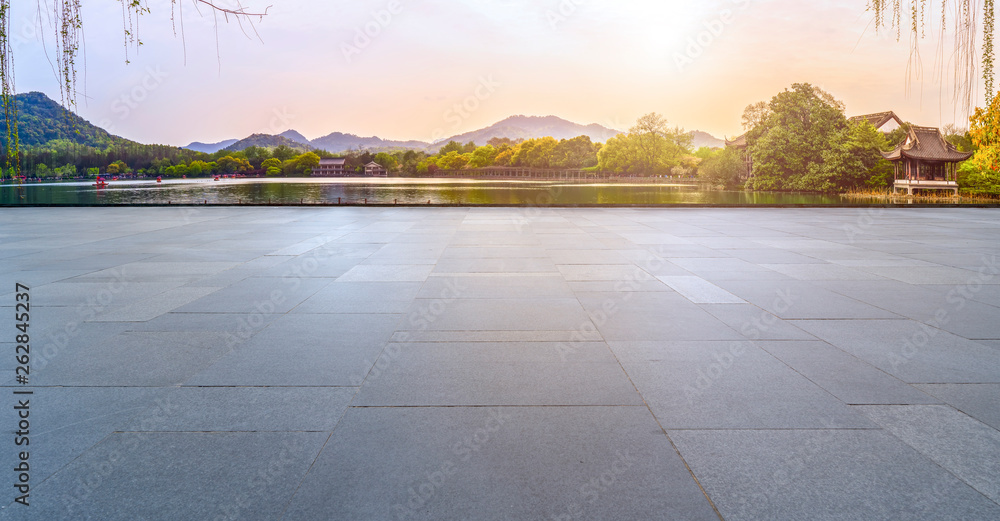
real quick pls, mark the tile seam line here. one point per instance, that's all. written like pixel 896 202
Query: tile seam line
pixel 933 460
pixel 670 440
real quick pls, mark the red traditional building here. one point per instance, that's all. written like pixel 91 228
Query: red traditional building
pixel 925 161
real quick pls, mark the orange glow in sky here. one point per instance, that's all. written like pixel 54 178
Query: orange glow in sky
pixel 420 70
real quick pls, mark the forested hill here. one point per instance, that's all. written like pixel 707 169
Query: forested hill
pixel 268 141
pixel 41 120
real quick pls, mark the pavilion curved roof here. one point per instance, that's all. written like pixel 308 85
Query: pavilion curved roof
pixel 927 144
pixel 737 142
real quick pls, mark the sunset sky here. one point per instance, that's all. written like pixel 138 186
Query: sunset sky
pixel 409 69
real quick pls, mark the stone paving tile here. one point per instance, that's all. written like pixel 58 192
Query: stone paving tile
pixel 150 271
pixel 850 379
pixel 257 295
pixel 583 335
pixel 361 297
pixel 496 265
pixel 304 350
pixel 617 286
pixel 754 323
pixel 703 265
pixel 960 444
pixel 652 316
pixel 910 351
pixel 728 385
pixel 493 252
pixel 580 256
pixel 253 409
pixel 771 256
pixel 613 272
pixel 977 400
pixel 518 463
pixel 387 273
pixel 523 332
pixel 930 275
pixel 510 373
pixel 66 421
pixel 148 309
pixel 825 475
pixel 563 314
pixel 142 476
pixel 495 286
pixel 134 359
pixel 793 299
pixel 821 272
pixel 700 291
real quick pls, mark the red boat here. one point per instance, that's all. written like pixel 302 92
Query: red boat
pixel 101 183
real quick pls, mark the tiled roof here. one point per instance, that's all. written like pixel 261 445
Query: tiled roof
pixel 928 144
pixel 737 142
pixel 878 119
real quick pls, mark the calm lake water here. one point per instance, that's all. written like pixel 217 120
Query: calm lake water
pixel 388 191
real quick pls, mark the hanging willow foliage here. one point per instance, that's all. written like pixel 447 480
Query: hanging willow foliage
pixel 68 26
pixel 11 141
pixel 889 13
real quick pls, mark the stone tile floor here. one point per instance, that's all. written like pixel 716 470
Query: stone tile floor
pixel 504 363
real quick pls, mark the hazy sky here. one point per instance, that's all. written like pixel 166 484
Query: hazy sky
pixel 411 69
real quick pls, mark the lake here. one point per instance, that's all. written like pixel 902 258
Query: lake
pixel 391 191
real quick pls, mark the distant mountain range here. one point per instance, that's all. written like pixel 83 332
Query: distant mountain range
pixel 42 120
pixel 210 148
pixel 704 139
pixel 514 127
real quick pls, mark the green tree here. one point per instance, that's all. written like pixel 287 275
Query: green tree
pixel 453 160
pixel 801 145
pixel 306 163
pixel 198 167
pixel 649 148
pixel 578 152
pixel 283 153
pixel 230 165
pixel 256 155
pixel 483 157
pixel 451 146
pixel 387 160
pixel 723 168
pixel 270 163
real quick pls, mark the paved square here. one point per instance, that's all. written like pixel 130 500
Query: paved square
pixel 492 363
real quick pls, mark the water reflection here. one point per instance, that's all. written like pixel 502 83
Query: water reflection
pixel 389 191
